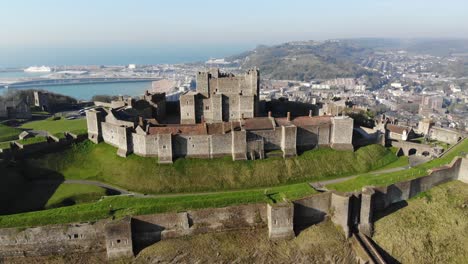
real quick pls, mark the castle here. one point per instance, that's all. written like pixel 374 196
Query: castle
pixel 220 118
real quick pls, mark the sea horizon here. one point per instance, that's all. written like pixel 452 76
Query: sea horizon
pixel 22 58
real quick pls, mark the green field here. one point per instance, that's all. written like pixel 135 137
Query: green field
pixel 371 179
pixel 100 162
pixel 8 133
pixel 56 126
pixel 432 228
pixel 70 194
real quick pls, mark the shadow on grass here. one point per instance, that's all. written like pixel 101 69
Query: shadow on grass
pixel 387 257
pixel 20 193
pixel 390 210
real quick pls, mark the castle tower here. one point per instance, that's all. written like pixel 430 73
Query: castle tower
pixel 42 100
pixel 93 120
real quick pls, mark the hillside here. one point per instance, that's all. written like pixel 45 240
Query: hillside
pixel 431 228
pixel 196 175
pixel 306 60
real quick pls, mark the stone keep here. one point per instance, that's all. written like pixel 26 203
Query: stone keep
pixel 221 97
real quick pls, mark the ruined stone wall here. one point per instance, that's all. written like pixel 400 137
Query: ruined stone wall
pixel 307 137
pixel 52 240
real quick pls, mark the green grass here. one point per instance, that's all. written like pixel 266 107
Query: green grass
pixel 8 133
pixel 56 126
pixel 402 161
pixel 33 140
pixel 199 175
pixel 5 145
pixel 120 206
pixel 67 194
pixel 59 135
pixel 371 179
pixel 78 132
pixel 432 228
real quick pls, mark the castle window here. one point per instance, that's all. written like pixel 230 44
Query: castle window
pixel 187 101
pixel 207 107
pixel 118 240
pixel 193 146
pixel 75 236
pixel 164 146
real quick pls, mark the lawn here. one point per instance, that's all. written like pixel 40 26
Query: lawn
pixel 56 126
pixel 432 228
pixel 33 140
pixel 145 175
pixel 8 133
pixel 119 206
pixel 371 179
pixel 70 194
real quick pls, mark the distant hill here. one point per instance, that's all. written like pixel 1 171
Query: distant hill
pixel 306 60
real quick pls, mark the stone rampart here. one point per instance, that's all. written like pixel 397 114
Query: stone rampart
pixel 125 237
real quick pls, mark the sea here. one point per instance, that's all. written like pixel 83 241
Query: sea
pixel 107 56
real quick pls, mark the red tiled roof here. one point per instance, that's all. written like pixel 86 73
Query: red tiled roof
pixel 302 121
pixel 258 123
pixel 195 129
pixel 223 127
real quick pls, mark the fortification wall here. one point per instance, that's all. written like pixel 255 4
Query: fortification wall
pixel 52 240
pixel 221 145
pixel 191 146
pixel 272 138
pixel 145 145
pixel 311 210
pixel 444 135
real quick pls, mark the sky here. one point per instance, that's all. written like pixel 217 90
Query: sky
pixel 103 25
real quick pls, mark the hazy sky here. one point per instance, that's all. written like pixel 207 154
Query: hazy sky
pixel 59 32
pixel 97 23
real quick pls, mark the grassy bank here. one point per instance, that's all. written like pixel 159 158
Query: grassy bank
pixel 56 126
pixel 119 206
pixel 371 179
pixel 70 194
pixel 432 228
pixel 100 162
pixel 314 245
pixel 8 133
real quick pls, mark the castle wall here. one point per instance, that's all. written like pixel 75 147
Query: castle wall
pixel 239 145
pixel 187 109
pixel 342 133
pixel 221 145
pixel 280 221
pixel 145 145
pixel 288 141
pixel 165 148
pixel 52 240
pixel 117 136
pixel 272 138
pixel 444 135
pixel 311 210
pixel 191 145
pixel 324 132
